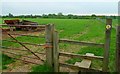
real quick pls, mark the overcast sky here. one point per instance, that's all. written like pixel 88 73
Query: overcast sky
pixel 19 7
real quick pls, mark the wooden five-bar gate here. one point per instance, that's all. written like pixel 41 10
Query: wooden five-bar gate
pixel 36 59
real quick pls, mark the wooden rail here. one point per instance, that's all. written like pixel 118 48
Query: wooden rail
pixel 24 60
pixel 16 25
pixel 81 43
pixel 4 47
pixel 28 35
pixel 18 54
pixel 26 43
pixel 3 25
pixel 79 56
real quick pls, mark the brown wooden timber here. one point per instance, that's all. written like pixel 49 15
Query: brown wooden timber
pixel 81 43
pixel 21 50
pixel 49 42
pixel 3 51
pixel 28 35
pixel 85 63
pixel 16 25
pixel 56 51
pixel 80 56
pixel 78 68
pixel 118 50
pixel 25 43
pixel 3 25
pixel 107 46
pixel 26 61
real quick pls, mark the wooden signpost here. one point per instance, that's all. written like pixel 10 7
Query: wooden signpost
pixel 107 45
pixel 118 49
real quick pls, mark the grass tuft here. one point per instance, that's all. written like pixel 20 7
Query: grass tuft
pixel 6 60
pixel 42 68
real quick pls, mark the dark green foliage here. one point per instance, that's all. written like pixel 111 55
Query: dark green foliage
pixel 59 16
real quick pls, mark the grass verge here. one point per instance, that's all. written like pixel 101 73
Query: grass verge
pixel 42 68
pixel 6 60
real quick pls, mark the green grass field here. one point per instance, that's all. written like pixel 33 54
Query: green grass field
pixel 89 30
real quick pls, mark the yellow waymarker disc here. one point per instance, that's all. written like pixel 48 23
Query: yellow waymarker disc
pixel 108 27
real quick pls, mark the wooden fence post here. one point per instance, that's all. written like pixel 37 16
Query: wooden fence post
pixel 107 45
pixel 49 43
pixel 118 50
pixel 11 29
pixel 56 51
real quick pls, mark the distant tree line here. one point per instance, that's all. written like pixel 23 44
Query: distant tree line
pixel 59 16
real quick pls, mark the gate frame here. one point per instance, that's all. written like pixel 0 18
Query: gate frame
pixel 118 49
pixel 52 53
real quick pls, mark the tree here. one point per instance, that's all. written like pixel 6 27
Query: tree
pixel 93 16
pixel 31 16
pixel 60 14
pixel 44 16
pixel 70 16
pixel 10 15
pixel 75 17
